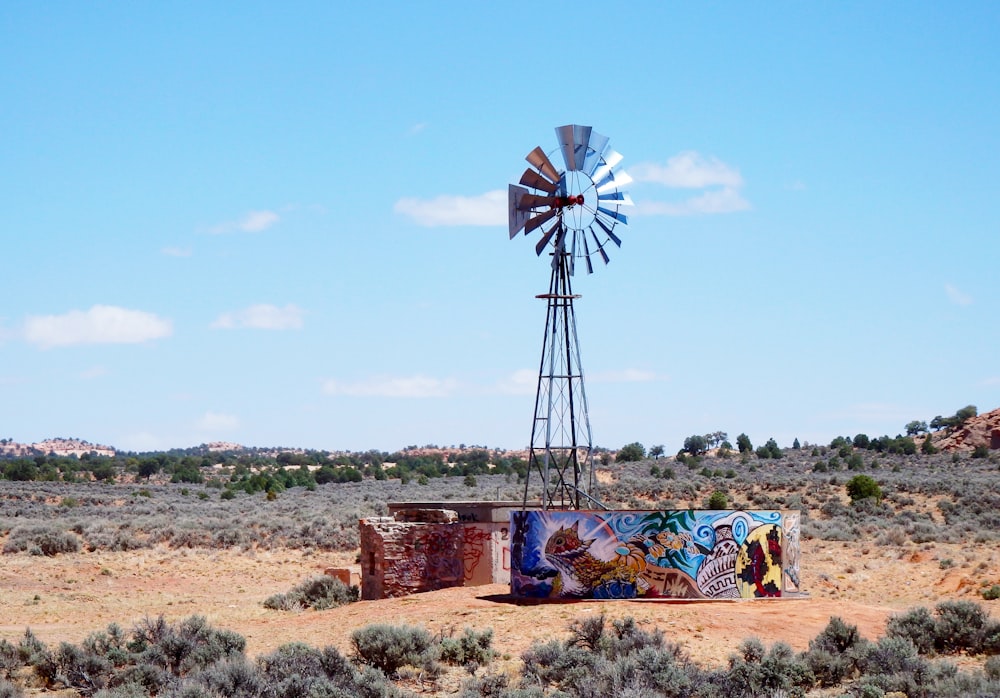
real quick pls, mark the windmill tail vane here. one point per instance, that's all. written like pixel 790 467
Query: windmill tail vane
pixel 576 210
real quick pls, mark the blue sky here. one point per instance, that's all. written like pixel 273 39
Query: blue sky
pixel 283 224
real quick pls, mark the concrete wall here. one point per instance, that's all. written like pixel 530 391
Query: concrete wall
pixel 689 554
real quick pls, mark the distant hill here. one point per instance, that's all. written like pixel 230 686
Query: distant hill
pixel 54 447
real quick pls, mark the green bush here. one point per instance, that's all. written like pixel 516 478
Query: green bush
pixel 718 500
pixel 41 540
pixel 320 593
pixel 993 593
pixel 472 649
pixel 862 487
pixel 391 647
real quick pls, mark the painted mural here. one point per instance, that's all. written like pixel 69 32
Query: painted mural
pixel 690 554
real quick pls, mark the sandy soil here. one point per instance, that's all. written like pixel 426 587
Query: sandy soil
pixel 69 596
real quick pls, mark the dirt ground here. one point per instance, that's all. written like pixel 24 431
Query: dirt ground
pixel 65 598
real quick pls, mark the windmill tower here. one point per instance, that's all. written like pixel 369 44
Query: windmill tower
pixel 577 210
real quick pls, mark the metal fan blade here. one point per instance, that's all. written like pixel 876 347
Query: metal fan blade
pixel 540 161
pixel 619 197
pixel 573 141
pixel 614 238
pixel 586 255
pixel 572 254
pixel 529 201
pixel 611 160
pixel 600 247
pixel 516 217
pixel 595 150
pixel 540 219
pixel 545 239
pixel 613 180
pixel 532 179
pixel 620 217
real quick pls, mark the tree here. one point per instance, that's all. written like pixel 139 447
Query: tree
pixel 863 487
pixel 656 451
pixel 718 500
pixel 795 444
pixel 916 427
pixel 696 445
pixel 743 444
pixel 631 452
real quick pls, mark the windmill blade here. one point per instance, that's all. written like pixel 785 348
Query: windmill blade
pixel 572 254
pixel 559 246
pixel 540 161
pixel 516 217
pixel 611 160
pixel 614 238
pixel 598 144
pixel 586 254
pixel 620 217
pixel 600 247
pixel 529 201
pixel 613 180
pixel 619 197
pixel 573 141
pixel 540 245
pixel 540 219
pixel 532 179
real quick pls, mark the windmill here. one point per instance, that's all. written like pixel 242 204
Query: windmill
pixel 576 210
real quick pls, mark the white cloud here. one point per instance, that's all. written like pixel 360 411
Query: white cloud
pixel 176 251
pixel 102 324
pixel 417 128
pixel 251 222
pixel 388 386
pixel 523 381
pixel 956 296
pixel 262 317
pixel 486 209
pixel 722 183
pixel 218 421
pixel 992 380
pixel 628 375
pixel 94 372
pixel 725 200
pixel 688 170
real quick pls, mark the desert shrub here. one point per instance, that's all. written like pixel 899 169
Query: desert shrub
pixel 965 626
pixel 754 671
pixel 41 540
pixel 10 659
pixel 556 664
pixel 915 625
pixel 321 593
pixel 992 668
pixel 471 649
pixel 391 647
pixel 190 645
pixel 832 655
pixel 9 690
pixel 993 593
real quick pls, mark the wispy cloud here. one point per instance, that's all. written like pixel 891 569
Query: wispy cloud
pixel 218 421
pixel 992 380
pixel 176 251
pixel 956 296
pixel 251 222
pixel 262 317
pixel 418 386
pixel 102 324
pixel 417 128
pixel 688 170
pixel 523 381
pixel 486 209
pixel 718 201
pixel 722 183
